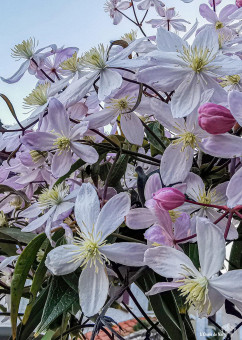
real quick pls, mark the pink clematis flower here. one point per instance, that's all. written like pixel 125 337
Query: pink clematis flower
pixel 62 138
pixel 113 7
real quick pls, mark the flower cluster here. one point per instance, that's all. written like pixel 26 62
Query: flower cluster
pixel 128 167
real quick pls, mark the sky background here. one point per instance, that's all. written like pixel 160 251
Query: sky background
pixel 79 23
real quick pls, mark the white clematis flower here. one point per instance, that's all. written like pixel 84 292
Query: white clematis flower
pixel 90 250
pixel 203 288
pixel 189 70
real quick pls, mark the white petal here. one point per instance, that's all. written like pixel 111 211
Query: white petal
pixel 85 152
pixel 211 247
pixel 39 221
pixel 60 260
pixel 132 128
pixel 195 186
pixel 224 146
pixel 179 161
pixel 161 287
pixel 93 289
pixel 18 75
pixel 207 39
pixel 234 193
pixel 152 185
pixel 126 253
pixel 32 211
pixel 87 207
pixel 187 96
pixel 112 214
pixel 7 261
pixel 168 41
pixel 140 218
pixel 229 284
pixel 100 118
pixel 235 105
pixel 109 81
pixel 167 262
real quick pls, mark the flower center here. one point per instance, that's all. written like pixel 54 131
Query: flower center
pixel 219 25
pixel 38 155
pixel 174 215
pixel 197 58
pixel 62 143
pixel 25 49
pixel 51 197
pixel 230 80
pixel 195 289
pixel 71 64
pixel 122 105
pixel 37 97
pixel 188 139
pixel 94 59
pixel 89 249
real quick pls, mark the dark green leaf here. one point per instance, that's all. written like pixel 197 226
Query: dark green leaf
pixel 118 171
pixel 21 271
pixel 158 130
pixel 60 298
pixel 16 234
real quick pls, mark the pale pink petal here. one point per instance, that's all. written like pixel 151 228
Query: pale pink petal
pixel 126 253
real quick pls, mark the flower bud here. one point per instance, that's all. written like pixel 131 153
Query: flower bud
pixel 169 198
pixel 215 119
pixel 238 3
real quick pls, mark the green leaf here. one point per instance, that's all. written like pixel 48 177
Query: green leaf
pixel 39 277
pixel 73 168
pixel 158 130
pixel 16 234
pixel 118 171
pixel 48 335
pixel 25 331
pixel 21 271
pixel 60 298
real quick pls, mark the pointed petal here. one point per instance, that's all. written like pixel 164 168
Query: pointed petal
pixel 39 221
pixel 60 260
pixel 18 75
pixel 132 128
pixel 112 214
pixel 93 289
pixel 209 235
pixel 140 218
pixel 85 152
pixel 58 117
pixel 161 287
pixel 167 261
pixel 87 207
pixel 234 192
pixel 229 284
pixel 61 163
pixel 126 253
pixel 109 81
pixel 179 161
pixel 224 146
pixel 235 105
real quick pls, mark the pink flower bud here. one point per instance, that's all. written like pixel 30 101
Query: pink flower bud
pixel 238 3
pixel 215 119
pixel 169 198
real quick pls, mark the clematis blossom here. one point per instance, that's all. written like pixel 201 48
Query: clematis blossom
pixel 203 288
pixel 27 50
pixel 189 70
pixel 90 250
pixel 62 138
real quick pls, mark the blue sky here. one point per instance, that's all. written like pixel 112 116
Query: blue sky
pixel 79 23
